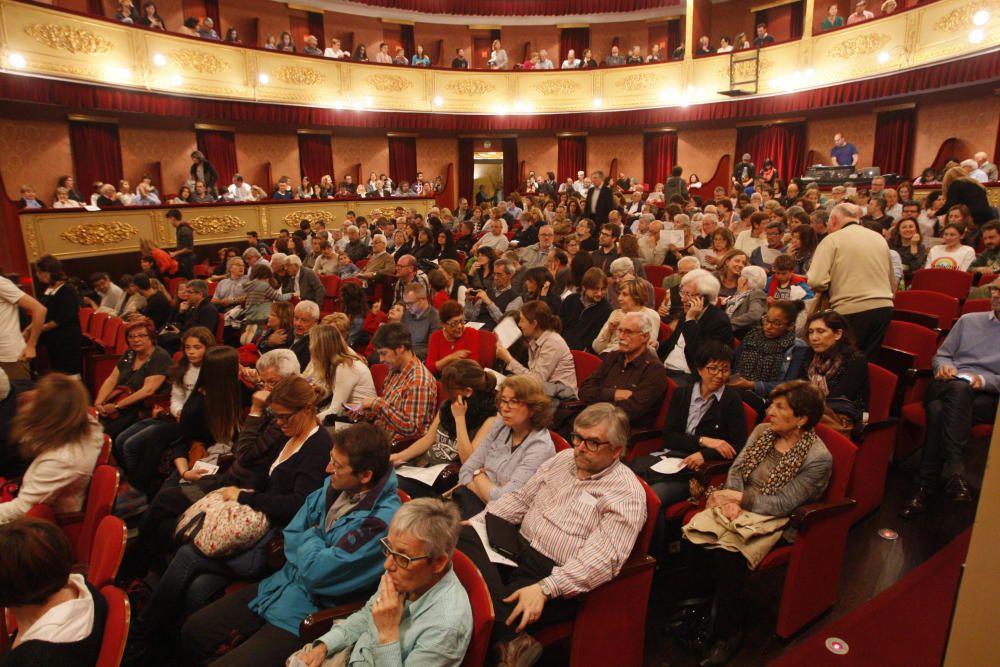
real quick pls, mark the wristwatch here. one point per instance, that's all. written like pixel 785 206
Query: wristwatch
pixel 545 590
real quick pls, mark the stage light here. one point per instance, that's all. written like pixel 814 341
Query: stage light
pixel 977 36
pixel 263 78
pixel 982 17
pixel 438 100
pixel 176 80
pixel 17 61
pixel 598 103
pixel 337 105
pixel 160 60
pixel 883 57
pixel 369 100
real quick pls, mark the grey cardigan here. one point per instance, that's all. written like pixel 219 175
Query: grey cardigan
pixel 807 486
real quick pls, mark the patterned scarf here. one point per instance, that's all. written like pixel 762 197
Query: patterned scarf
pixel 788 463
pixel 762 357
pixel 823 369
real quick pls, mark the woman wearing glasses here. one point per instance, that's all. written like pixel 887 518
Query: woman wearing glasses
pixel 142 370
pixel 419 579
pixel 513 448
pixel 292 451
pixel 453 341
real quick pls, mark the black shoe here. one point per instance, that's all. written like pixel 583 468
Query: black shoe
pixel 958 490
pixel 722 651
pixel 917 504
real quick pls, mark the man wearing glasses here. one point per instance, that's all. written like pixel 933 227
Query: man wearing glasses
pixel 632 376
pixel 584 508
pixel 420 318
pixel 407 274
pixel 333 551
pixel 963 393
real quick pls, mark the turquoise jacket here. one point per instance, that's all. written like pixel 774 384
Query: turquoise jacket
pixel 434 631
pixel 322 568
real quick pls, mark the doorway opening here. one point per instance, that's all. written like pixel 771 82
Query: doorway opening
pixel 487 171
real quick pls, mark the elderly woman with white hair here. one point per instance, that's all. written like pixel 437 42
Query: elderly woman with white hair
pixel 703 320
pixel 231 290
pixel 420 614
pixel 749 304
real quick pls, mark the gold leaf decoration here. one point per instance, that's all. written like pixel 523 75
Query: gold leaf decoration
pixel 300 76
pixel 387 83
pixel 199 61
pixel 639 82
pixel 745 69
pixel 865 45
pixel 30 239
pixel 215 224
pixel 100 233
pixel 68 38
pixel 961 18
pixel 472 87
pixel 557 87
pixel 70 69
pixel 295 217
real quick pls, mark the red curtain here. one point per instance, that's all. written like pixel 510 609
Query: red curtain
pixel 97 153
pixel 315 156
pixel 406 40
pixel 402 159
pixel 212 12
pixel 674 38
pixel 521 7
pixel 572 157
pixel 996 149
pixel 784 144
pixel 573 38
pixel 511 166
pixel 798 20
pixel 314 20
pixel 659 155
pixel 895 132
pixel 219 148
pixel 86 97
pixel 466 167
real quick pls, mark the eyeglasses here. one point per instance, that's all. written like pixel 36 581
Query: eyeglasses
pixel 281 417
pixel 509 402
pixel 717 370
pixel 455 323
pixel 401 560
pixel 773 322
pixel 138 336
pixel 590 444
pixel 630 332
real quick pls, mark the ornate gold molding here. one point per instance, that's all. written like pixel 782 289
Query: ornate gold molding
pixel 300 76
pixel 961 18
pixel 388 83
pixel 863 45
pixel 295 217
pixel 745 69
pixel 639 82
pixel 216 224
pixel 472 87
pixel 68 38
pixel 557 87
pixel 99 233
pixel 199 61
pixel 30 240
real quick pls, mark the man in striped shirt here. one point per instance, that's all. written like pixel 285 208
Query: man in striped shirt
pixel 575 523
pixel 408 402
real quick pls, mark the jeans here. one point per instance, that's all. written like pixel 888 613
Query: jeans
pixel 168 604
pixel 953 406
pixel 669 492
pixel 139 449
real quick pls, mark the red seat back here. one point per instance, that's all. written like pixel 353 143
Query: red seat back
pixel 173 284
pixel 105 456
pixel 85 315
pixel 107 551
pixel 487 348
pixel 585 363
pixel 843 452
pixel 100 498
pixel 95 328
pixel 659 294
pixel 919 341
pixel 112 329
pixel 881 390
pixel 379 372
pixel 751 416
pixel 977 306
pixel 665 332
pixel 332 286
pixel 656 274
pixel 641 548
pixel 482 609
pixel 559 442
pixel 942 306
pixel 202 271
pixel 404 497
pixel 946 281
pixel 220 328
pixel 115 627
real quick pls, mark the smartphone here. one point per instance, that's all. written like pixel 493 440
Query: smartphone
pixel 966 376
pixel 353 407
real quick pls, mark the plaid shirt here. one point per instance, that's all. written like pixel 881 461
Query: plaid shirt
pixel 408 402
pixel 587 526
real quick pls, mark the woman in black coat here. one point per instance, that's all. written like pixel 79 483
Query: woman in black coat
pixel 836 366
pixel 61 335
pixel 960 188
pixel 202 170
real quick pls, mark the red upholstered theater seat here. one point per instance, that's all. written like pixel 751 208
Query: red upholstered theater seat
pixel 946 281
pixel 115 627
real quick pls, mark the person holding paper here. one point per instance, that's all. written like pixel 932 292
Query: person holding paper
pixel 512 448
pixel 459 428
pixel 584 509
pixel 549 358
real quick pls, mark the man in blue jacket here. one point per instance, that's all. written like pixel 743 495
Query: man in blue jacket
pixel 333 554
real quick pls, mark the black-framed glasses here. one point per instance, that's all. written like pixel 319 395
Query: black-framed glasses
pixel 590 444
pixel 401 560
pixel 281 417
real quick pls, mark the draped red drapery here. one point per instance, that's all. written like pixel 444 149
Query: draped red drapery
pixel 520 7
pixel 219 148
pixel 402 159
pixel 97 153
pixel 577 39
pixel 466 167
pixel 895 132
pixel 659 155
pixel 996 149
pixel 511 166
pixel 784 144
pixel 798 20
pixel 315 156
pixel 314 22
pixel 86 97
pixel 572 157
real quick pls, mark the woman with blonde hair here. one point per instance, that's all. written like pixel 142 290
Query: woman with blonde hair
pixel 957 187
pixel 498 56
pixel 166 264
pixel 61 440
pixel 336 372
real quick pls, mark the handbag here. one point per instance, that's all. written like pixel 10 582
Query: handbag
pixel 117 394
pixel 218 528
